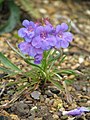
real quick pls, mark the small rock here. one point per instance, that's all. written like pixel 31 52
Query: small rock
pixel 88 102
pixel 43 11
pixel 51 102
pixel 84 89
pixel 48 93
pixel 41 98
pixel 57 103
pixel 45 96
pixel 14 117
pixel 47 100
pixel 28 102
pixel 65 117
pixel 81 59
pixel 36 95
pixel 56 117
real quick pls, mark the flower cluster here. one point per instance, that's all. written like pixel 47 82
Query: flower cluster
pixel 42 36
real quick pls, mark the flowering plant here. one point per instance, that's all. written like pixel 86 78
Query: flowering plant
pixel 41 48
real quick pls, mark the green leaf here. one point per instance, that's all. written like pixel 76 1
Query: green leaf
pixel 69 82
pixel 5 70
pixel 13 19
pixel 60 78
pixel 6 62
pixel 15 50
pixel 72 72
pixel 55 58
pixel 32 64
pixel 62 59
pixel 57 84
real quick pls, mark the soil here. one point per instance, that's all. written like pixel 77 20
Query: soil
pixel 52 102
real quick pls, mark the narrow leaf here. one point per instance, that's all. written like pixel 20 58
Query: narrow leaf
pixel 69 82
pixel 5 70
pixel 57 84
pixel 72 72
pixel 5 61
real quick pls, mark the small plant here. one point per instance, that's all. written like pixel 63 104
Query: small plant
pixel 41 48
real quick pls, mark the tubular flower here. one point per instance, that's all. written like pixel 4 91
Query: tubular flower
pixel 28 32
pixel 62 36
pixel 44 38
pixel 76 112
pixel 27 48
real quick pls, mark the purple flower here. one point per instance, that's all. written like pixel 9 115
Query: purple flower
pixel 44 38
pixel 76 112
pixel 28 32
pixel 38 58
pixel 27 48
pixel 63 38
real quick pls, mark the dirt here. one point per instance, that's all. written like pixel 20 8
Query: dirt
pixel 51 105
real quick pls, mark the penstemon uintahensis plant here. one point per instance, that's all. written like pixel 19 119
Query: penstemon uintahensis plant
pixel 41 48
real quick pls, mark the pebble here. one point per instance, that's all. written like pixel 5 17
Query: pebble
pixel 14 117
pixel 56 117
pixel 47 100
pixel 51 102
pixel 28 102
pixel 42 98
pixel 43 11
pixel 64 117
pixel 48 93
pixel 36 95
pixel 81 59
pixel 88 102
pixel 57 103
pixel 84 89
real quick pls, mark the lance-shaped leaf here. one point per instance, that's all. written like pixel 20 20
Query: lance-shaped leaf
pixel 7 63
pixel 57 84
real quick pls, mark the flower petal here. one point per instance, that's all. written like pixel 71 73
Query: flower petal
pixel 38 58
pixel 68 36
pixel 45 45
pixel 25 23
pixel 52 41
pixel 27 39
pixel 39 30
pixel 36 42
pixel 32 24
pixel 64 27
pixel 24 47
pixel 32 51
pixel 61 28
pixel 64 44
pixel 22 32
pixel 48 29
pixel 31 34
pixel 58 28
pixel 39 51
